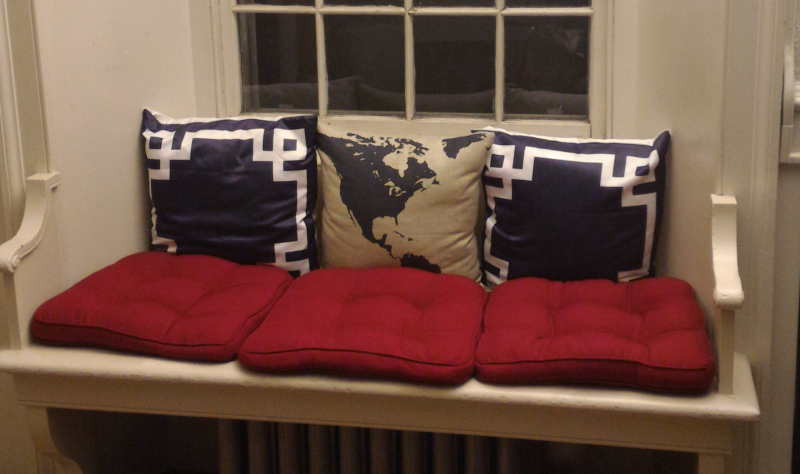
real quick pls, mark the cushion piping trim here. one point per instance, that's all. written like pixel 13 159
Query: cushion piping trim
pixel 267 307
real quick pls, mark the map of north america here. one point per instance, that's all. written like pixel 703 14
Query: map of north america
pixel 379 178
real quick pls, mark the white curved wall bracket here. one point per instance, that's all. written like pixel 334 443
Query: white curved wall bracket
pixel 728 293
pixel 38 199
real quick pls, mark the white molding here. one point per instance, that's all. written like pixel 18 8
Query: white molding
pixel 608 123
pixel 90 379
pixel 410 72
pixel 38 204
pixel 203 58
pixel 21 123
pixel 226 58
pixel 322 63
pixel 762 228
pixel 754 68
pixel 600 68
pixel 728 292
pixel 500 63
pixel 785 321
pixel 228 71
pixel 623 52
pixel 12 178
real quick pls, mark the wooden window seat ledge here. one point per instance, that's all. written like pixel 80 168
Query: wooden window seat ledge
pixel 49 378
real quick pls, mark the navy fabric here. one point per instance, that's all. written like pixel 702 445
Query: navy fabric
pixel 567 210
pixel 240 189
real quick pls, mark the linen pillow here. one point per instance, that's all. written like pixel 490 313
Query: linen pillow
pixel 401 201
pixel 572 209
pixel 243 189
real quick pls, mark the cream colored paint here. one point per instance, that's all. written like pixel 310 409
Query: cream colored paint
pixel 784 334
pixel 17 455
pixel 669 67
pixel 22 142
pixel 101 63
pixel 752 112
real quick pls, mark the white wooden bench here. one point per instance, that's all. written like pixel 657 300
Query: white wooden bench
pixel 86 379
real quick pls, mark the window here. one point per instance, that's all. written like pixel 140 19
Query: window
pixel 536 65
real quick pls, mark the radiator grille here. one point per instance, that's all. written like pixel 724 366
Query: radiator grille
pixel 285 448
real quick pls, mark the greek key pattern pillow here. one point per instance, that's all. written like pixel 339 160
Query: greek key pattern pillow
pixel 409 201
pixel 242 189
pixel 572 209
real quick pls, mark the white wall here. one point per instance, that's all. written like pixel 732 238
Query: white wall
pixel 668 75
pixel 101 63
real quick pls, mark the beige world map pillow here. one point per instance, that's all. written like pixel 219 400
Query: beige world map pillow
pixel 391 201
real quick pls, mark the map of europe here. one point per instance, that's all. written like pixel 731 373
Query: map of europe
pixel 378 179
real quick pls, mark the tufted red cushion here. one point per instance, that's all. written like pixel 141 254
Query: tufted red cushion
pixel 647 334
pixel 188 307
pixel 398 323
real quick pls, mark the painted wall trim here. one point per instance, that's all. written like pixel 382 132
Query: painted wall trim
pixel 21 116
pixel 38 204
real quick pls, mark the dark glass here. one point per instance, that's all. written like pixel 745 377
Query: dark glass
pixel 281 72
pixel 382 3
pixel 454 59
pixel 548 3
pixel 454 3
pixel 304 3
pixel 366 63
pixel 547 66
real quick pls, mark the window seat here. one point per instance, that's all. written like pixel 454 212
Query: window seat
pixel 86 379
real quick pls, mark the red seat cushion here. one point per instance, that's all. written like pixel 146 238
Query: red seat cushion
pixel 188 307
pixel 398 323
pixel 647 334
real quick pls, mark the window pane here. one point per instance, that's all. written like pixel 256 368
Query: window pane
pixel 393 3
pixel 454 64
pixel 454 3
pixel 366 63
pixel 547 66
pixel 305 3
pixel 279 61
pixel 548 3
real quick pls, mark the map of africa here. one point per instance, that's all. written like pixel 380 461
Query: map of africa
pixel 378 179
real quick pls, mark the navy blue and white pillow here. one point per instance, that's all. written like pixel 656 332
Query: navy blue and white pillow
pixel 243 189
pixel 572 209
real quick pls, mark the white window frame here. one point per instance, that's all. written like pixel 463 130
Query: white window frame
pixel 224 42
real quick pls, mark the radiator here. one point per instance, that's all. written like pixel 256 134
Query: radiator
pixel 283 448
